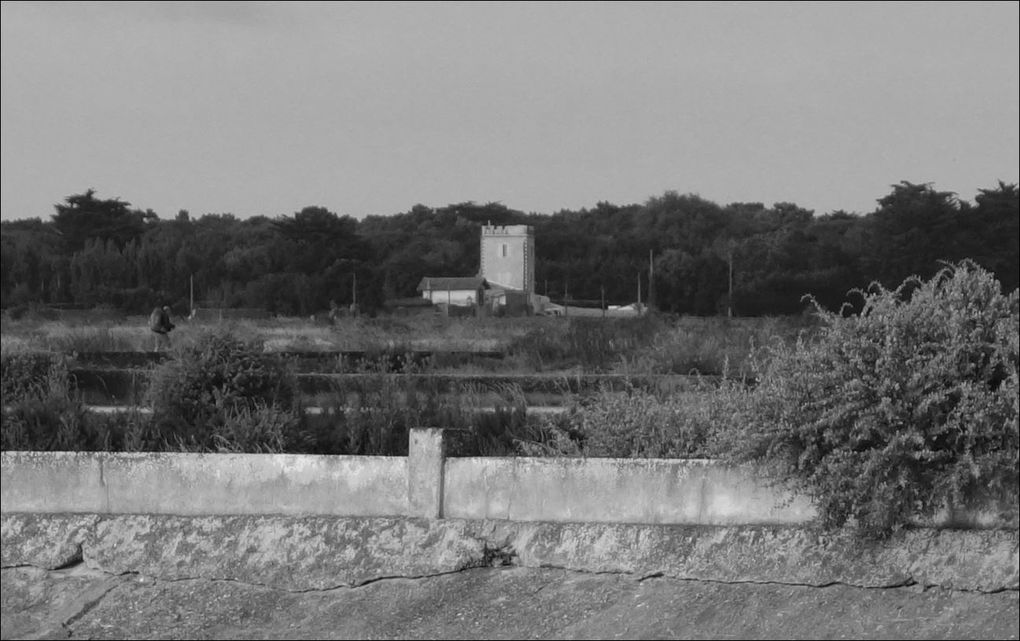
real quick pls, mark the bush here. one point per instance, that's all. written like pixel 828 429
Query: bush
pixel 41 410
pixel 199 396
pixel 900 412
pixel 640 423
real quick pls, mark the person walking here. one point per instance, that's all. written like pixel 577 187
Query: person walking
pixel 161 325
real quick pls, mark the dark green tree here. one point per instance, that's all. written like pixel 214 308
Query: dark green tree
pixel 83 217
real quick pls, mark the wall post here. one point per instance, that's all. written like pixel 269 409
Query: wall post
pixel 426 453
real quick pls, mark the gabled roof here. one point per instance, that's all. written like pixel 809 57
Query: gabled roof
pixel 452 283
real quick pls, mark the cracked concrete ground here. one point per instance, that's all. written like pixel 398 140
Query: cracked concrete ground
pixel 505 602
pixel 148 577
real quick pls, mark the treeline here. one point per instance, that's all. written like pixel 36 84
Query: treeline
pixel 104 252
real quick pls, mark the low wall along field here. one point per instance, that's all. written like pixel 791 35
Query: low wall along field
pixel 231 530
pixel 426 483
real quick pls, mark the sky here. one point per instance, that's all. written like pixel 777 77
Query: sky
pixel 264 108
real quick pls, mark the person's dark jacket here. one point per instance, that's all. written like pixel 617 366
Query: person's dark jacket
pixel 159 321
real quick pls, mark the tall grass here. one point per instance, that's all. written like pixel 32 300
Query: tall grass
pixel 43 411
pixel 196 394
pixel 373 414
pixel 641 423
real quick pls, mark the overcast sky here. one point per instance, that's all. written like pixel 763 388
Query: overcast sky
pixel 265 108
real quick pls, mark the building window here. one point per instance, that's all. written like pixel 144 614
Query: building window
pixel 502 249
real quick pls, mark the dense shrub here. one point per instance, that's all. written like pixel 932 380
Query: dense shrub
pixel 640 423
pixel 899 412
pixel 201 396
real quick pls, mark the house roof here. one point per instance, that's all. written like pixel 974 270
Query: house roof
pixel 452 283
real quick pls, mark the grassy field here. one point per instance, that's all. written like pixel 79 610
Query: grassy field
pixel 652 345
pixel 372 415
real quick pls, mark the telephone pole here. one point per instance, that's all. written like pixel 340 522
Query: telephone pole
pixel 651 281
pixel 729 301
pixel 639 293
pixel 566 299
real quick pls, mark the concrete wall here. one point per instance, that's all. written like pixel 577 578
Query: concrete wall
pixel 695 492
pixel 195 484
pixel 426 484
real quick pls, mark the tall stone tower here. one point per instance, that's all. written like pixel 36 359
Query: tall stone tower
pixel 508 257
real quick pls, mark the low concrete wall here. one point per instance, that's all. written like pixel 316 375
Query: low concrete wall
pixel 195 484
pixel 693 492
pixel 426 484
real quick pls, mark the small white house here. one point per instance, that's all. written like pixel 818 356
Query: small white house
pixel 466 291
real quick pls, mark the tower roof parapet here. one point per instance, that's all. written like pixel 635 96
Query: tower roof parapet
pixel 507 230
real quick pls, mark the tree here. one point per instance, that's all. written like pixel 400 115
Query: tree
pixel 913 229
pixel 84 217
pixel 995 233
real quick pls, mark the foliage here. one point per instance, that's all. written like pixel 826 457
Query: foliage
pixel 594 344
pixel 198 394
pixel 639 423
pixel 40 410
pixel 23 373
pixel 43 411
pixel 373 413
pixel 709 346
pixel 255 427
pixel 900 412
pixel 97 251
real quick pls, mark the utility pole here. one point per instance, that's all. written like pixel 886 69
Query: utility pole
pixel 603 301
pixel 354 292
pixel 191 299
pixel 639 293
pixel 729 301
pixel 566 298
pixel 651 281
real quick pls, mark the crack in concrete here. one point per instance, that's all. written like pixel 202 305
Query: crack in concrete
pixel 87 607
pixel 906 583
pixel 492 555
pixel 331 588
pixel 23 565
pixel 504 555
pixel 103 484
pixel 541 587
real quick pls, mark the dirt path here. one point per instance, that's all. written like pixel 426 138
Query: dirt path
pixel 500 603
